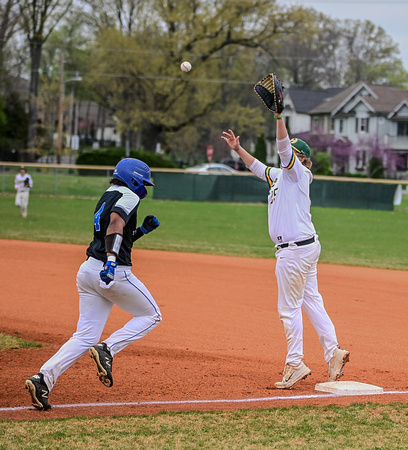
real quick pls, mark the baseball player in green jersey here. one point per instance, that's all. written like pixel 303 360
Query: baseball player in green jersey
pixel 297 253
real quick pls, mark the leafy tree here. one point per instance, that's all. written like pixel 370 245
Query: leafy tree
pixel 9 26
pixel 310 55
pixel 136 74
pixel 373 56
pixel 375 168
pixel 321 52
pixel 322 164
pixel 39 18
pixel 122 15
pixel 13 124
pixel 260 148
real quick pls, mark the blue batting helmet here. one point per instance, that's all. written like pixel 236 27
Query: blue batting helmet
pixel 135 174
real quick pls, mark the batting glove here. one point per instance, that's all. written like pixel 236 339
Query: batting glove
pixel 150 223
pixel 108 273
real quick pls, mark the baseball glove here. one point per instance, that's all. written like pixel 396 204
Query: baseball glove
pixel 270 91
pixel 27 182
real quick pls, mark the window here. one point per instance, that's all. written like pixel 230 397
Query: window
pixel 362 125
pixel 341 126
pixel 361 159
pixel 332 125
pixel 402 163
pixel 402 129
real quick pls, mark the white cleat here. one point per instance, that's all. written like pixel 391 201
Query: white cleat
pixel 339 359
pixel 292 375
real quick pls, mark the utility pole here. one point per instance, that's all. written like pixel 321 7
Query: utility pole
pixel 60 110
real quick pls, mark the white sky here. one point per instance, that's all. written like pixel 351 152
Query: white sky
pixel 392 15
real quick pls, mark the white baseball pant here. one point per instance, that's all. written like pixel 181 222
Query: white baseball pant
pixel 95 305
pixel 296 274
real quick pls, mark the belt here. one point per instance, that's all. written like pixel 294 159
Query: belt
pixel 299 243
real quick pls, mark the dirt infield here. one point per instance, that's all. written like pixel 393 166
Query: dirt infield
pixel 220 339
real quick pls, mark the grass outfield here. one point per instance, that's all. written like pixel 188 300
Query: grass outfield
pixel 349 236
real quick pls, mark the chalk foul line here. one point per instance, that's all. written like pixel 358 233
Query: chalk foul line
pixel 198 402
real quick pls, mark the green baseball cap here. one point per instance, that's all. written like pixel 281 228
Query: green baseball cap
pixel 300 146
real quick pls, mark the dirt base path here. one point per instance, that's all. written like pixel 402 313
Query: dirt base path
pixel 220 339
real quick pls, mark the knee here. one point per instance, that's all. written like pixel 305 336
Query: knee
pixel 88 339
pixel 157 318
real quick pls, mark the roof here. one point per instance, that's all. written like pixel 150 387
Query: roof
pixel 381 99
pixel 305 100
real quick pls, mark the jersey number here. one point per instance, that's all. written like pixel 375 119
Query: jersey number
pixel 97 218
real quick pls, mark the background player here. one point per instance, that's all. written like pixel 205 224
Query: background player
pixel 298 251
pixel 105 279
pixel 23 183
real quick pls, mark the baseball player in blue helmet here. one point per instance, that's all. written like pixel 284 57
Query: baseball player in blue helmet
pixel 105 279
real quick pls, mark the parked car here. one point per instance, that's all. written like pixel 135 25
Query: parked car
pixel 211 168
pixel 237 165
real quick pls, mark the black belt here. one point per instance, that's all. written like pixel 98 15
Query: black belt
pixel 299 244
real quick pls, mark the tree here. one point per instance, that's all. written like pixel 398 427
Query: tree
pixel 13 124
pixel 122 15
pixel 39 18
pixel 373 56
pixel 310 55
pixel 137 75
pixel 9 26
pixel 260 149
pixel 321 52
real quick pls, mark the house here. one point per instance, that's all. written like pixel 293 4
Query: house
pixel 94 124
pixel 300 102
pixel 298 105
pixel 365 120
pixel 373 119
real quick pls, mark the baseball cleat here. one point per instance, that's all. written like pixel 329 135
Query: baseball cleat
pixel 339 359
pixel 103 361
pixel 38 391
pixel 292 375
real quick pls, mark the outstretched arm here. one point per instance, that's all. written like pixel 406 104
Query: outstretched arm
pixel 281 131
pixel 233 142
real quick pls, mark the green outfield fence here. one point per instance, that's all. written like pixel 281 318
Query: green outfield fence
pixel 175 184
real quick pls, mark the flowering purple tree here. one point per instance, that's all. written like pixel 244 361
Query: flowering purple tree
pixel 339 148
pixel 382 160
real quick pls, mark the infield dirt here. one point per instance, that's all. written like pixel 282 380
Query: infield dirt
pixel 220 338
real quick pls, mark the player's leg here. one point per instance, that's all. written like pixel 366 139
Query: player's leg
pixel 131 295
pixel 24 203
pixel 290 292
pixel 19 201
pixel 94 311
pixel 314 307
pixel 290 279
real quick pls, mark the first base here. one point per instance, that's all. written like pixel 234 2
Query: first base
pixel 349 388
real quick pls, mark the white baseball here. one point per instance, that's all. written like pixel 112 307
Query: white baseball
pixel 185 66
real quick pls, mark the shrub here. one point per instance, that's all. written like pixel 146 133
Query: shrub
pixel 322 164
pixel 111 156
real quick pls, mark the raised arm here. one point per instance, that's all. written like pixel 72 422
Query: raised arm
pixel 233 142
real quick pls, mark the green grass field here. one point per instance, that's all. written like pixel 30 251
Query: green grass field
pixel 353 237
pixel 368 426
pixel 348 236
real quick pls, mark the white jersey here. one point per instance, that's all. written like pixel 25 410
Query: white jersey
pixel 289 215
pixel 23 183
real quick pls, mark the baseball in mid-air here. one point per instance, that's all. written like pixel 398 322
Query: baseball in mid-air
pixel 185 66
